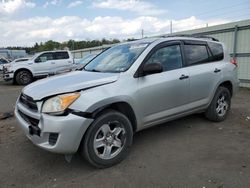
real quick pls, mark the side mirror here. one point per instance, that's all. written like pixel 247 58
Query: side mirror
pixel 40 59
pixel 37 60
pixel 152 68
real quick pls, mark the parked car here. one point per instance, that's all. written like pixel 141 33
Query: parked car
pixel 41 65
pixel 3 61
pixel 127 88
pixel 84 61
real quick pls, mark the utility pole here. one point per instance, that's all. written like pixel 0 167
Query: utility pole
pixel 207 25
pixel 142 33
pixel 171 27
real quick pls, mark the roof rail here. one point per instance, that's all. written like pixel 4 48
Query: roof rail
pixel 193 36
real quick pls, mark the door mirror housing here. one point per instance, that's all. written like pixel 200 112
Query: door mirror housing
pixel 37 60
pixel 152 68
pixel 40 59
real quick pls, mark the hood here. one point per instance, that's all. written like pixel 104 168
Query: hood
pixel 21 63
pixel 69 82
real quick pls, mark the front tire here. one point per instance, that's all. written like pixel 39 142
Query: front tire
pixel 23 77
pixel 220 105
pixel 108 139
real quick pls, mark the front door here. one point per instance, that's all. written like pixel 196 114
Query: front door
pixel 44 64
pixel 164 94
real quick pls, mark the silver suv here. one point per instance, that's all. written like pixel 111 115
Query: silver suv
pixel 127 88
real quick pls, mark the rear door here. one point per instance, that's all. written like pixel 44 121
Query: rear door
pixel 63 61
pixel 204 72
pixel 163 94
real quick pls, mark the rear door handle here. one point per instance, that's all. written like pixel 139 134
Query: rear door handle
pixel 53 63
pixel 183 77
pixel 217 70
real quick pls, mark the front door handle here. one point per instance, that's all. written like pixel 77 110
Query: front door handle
pixel 183 77
pixel 53 63
pixel 217 70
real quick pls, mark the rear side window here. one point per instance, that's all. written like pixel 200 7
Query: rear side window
pixel 196 54
pixel 61 55
pixel 217 51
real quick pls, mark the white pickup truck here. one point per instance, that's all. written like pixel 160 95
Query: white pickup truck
pixel 40 65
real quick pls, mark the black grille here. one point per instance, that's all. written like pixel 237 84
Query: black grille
pixel 28 102
pixel 53 138
pixel 28 119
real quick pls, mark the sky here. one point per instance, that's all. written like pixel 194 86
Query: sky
pixel 24 22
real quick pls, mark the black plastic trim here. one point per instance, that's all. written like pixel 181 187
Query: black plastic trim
pixel 80 113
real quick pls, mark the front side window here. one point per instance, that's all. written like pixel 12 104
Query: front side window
pixel 45 57
pixel 196 54
pixel 169 57
pixel 117 59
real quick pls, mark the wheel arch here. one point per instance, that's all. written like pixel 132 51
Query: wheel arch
pixel 120 106
pixel 22 69
pixel 227 84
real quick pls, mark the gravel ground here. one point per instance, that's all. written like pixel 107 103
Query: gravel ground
pixel 189 152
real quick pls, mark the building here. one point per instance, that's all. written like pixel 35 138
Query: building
pixel 235 35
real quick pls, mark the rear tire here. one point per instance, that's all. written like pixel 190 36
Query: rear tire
pixel 23 77
pixel 220 105
pixel 108 139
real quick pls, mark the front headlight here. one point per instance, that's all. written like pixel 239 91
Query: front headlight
pixel 59 103
pixel 8 67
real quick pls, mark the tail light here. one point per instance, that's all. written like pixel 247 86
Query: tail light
pixel 234 61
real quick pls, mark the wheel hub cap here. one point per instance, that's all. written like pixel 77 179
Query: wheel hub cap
pixel 109 140
pixel 222 106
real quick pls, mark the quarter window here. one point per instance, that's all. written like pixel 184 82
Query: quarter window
pixel 217 51
pixel 196 54
pixel 169 57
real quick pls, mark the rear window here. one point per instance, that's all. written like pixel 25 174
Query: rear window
pixel 217 51
pixel 196 54
pixel 61 55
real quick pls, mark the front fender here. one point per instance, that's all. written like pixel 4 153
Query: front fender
pixel 90 104
pixel 15 70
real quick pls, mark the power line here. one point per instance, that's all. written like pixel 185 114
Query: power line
pixel 222 8
pixel 233 17
pixel 199 26
pixel 231 11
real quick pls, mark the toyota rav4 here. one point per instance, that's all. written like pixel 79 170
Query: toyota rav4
pixel 127 88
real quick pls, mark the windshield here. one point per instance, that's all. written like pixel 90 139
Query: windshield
pixel 87 59
pixel 116 59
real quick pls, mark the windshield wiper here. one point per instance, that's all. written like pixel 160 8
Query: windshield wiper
pixel 93 70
